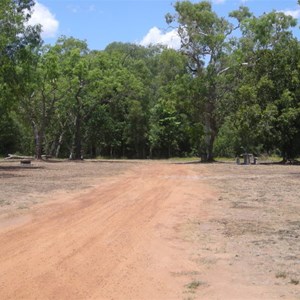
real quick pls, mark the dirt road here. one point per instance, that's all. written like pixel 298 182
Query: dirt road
pixel 130 237
pixel 117 241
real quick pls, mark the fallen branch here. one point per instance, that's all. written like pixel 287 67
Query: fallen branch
pixel 14 156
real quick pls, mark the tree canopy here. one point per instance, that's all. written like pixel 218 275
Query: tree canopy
pixel 233 86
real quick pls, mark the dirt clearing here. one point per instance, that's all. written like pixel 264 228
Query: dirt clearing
pixel 149 230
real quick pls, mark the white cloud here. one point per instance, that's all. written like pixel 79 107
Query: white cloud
pixel 156 36
pixel 294 13
pixel 42 15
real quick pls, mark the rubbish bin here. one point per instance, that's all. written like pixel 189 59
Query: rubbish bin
pixel 246 157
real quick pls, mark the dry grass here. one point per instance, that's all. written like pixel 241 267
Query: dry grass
pixel 24 186
pixel 259 219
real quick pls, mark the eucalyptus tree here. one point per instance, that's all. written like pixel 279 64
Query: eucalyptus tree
pixel 17 41
pixel 97 88
pixel 73 107
pixel 45 90
pixel 266 98
pixel 170 115
pixel 142 65
pixel 124 94
pixel 205 40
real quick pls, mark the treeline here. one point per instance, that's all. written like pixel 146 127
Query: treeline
pixel 233 86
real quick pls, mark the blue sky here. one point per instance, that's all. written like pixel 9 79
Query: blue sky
pixel 101 22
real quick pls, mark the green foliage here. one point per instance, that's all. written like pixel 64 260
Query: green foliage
pixel 16 39
pixel 18 42
pixel 165 131
pixel 222 93
pixel 205 40
pixel 227 142
pixel 9 135
pixel 263 105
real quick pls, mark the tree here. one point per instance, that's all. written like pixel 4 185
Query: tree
pixel 41 90
pixel 136 128
pixel 76 77
pixel 205 41
pixel 267 92
pixel 170 116
pixel 92 80
pixel 18 41
pixel 142 66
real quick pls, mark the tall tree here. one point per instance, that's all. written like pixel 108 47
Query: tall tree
pixel 42 89
pixel 268 90
pixel 205 40
pixel 142 64
pixel 73 107
pixel 17 40
pixel 170 116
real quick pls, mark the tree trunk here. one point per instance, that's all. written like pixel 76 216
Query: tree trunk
pixel 60 140
pixel 77 139
pixel 210 131
pixel 38 141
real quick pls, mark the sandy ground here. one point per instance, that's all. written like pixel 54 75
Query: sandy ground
pixel 149 230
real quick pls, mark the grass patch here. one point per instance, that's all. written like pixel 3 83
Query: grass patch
pixel 294 281
pixel 261 158
pixel 23 207
pixel 184 159
pixel 4 202
pixel 182 273
pixel 225 159
pixel 280 275
pixel 194 285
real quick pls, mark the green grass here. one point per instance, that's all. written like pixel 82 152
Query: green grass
pixel 184 159
pixel 225 159
pixel 272 158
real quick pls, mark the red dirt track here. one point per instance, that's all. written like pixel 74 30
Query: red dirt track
pixel 117 241
pixel 130 237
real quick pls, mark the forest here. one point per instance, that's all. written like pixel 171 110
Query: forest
pixel 233 86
